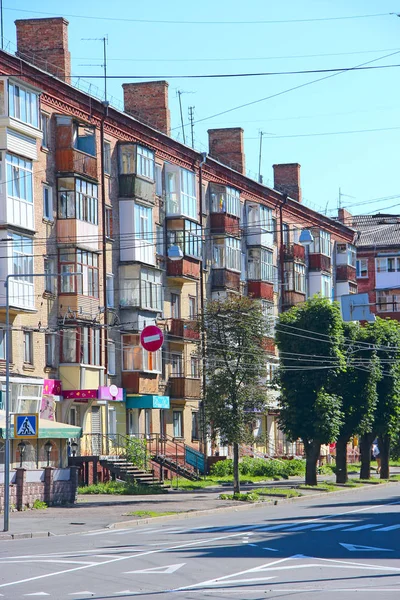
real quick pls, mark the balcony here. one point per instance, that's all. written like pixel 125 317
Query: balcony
pixel 71 230
pixel 295 252
pixel 319 262
pixel 222 278
pixel 183 387
pixel 73 161
pixel 346 273
pixel 292 299
pixel 140 383
pixel 261 289
pixel 184 328
pixel 132 186
pixel 221 223
pixel 77 306
pixel 187 268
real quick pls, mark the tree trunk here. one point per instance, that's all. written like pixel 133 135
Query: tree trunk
pixel 312 450
pixel 384 453
pixel 341 460
pixel 365 451
pixel 236 479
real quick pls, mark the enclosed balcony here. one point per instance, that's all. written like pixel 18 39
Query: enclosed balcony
pixel 140 383
pixel 225 279
pixel 225 210
pixel 184 387
pixel 319 262
pixel 346 273
pixel 75 148
pixel 185 329
pixel 294 252
pixel 261 289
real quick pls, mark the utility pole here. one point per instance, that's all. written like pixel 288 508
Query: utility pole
pixel 180 108
pixel 191 119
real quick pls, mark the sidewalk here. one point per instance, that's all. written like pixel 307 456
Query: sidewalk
pixel 100 511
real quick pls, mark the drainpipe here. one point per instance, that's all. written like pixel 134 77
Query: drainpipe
pixel 281 252
pixel 203 336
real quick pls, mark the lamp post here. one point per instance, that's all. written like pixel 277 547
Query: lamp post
pixel 7 398
pixel 48 447
pixel 21 448
pixel 74 448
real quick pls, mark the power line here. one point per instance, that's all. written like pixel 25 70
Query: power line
pixel 300 135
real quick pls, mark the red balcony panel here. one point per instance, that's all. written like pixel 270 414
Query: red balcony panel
pixel 261 289
pixel 184 328
pixel 70 160
pixel 187 267
pixel 269 345
pixel 222 278
pixel 346 273
pixel 222 223
pixel 184 387
pixel 140 383
pixel 294 252
pixel 319 262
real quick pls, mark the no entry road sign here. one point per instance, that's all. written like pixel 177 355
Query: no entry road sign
pixel 152 338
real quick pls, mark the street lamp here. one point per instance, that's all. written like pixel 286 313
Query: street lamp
pixel 48 447
pixel 306 238
pixel 74 448
pixel 21 448
pixel 175 253
pixel 7 398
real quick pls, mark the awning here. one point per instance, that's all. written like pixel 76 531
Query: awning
pixel 148 401
pixel 47 429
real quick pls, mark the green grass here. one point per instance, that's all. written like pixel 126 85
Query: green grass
pixel 120 488
pixel 145 514
pixel 242 497
pixel 395 477
pixel 323 487
pixel 213 480
pixel 280 492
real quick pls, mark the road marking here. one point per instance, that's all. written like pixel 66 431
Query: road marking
pixel 37 594
pixel 272 549
pixel 361 527
pixel 303 527
pixel 357 548
pixel 331 527
pixel 390 528
pixel 295 590
pixel 167 570
pixel 81 593
pixel 280 526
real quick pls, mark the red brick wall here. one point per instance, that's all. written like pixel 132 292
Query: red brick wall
pixel 148 102
pixel 44 42
pixel 226 145
pixel 287 180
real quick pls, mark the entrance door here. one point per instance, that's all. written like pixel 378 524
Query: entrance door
pixel 96 430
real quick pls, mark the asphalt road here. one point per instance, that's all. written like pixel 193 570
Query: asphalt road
pixel 345 546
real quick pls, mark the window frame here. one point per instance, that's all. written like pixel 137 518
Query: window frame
pixel 145 163
pixel 50 349
pixel 49 213
pixel 79 201
pixel 28 347
pixel 107 157
pixel 177 424
pixel 16 99
pixel 227 254
pixel 360 270
pixel 136 359
pixel 111 358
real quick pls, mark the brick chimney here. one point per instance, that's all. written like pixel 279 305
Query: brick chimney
pixel 226 145
pixel 44 43
pixel 287 180
pixel 345 217
pixel 148 102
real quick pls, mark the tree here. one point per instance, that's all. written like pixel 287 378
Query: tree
pixel 235 330
pixel 310 342
pixel 357 388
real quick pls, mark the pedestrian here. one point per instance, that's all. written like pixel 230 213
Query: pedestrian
pixel 376 454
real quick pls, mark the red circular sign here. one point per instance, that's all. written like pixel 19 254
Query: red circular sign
pixel 152 338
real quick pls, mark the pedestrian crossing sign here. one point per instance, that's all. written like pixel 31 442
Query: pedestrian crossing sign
pixel 26 426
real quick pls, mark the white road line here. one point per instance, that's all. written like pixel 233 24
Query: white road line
pixel 81 593
pixel 390 528
pixel 331 527
pixel 50 560
pixel 283 589
pixel 361 527
pixel 280 526
pixel 303 527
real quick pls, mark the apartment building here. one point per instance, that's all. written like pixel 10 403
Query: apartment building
pixel 99 200
pixel 378 260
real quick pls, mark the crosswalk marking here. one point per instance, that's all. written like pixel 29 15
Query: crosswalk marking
pixel 361 527
pixel 390 528
pixel 280 526
pixel 331 527
pixel 303 527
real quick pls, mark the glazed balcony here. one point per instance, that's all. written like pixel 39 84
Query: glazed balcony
pixel 132 186
pixel 319 262
pixel 73 161
pixel 295 252
pixel 70 230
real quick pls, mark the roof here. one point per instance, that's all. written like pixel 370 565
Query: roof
pixel 376 230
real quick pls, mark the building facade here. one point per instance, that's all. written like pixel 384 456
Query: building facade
pixel 92 201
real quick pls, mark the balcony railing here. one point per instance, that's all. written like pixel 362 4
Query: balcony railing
pixel 222 278
pixel 70 160
pixel 184 387
pixel 183 269
pixel 294 252
pixel 184 328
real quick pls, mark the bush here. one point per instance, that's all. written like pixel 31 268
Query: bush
pixel 39 505
pixel 246 497
pixel 260 467
pixel 136 452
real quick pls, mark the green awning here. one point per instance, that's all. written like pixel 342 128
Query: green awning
pixel 147 401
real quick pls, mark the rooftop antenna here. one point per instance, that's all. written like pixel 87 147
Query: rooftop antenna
pixel 191 119
pixel 179 92
pixel 260 179
pixel 104 65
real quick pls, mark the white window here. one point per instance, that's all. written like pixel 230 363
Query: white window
pixel 181 192
pixel 225 200
pixel 22 256
pixel 50 349
pixel 389 264
pixel 28 347
pixel 151 289
pixel 326 286
pixel 47 202
pixel 194 367
pixel 136 358
pixel 362 268
pixel 111 357
pixel 23 104
pixel 351 255
pixel 295 277
pixel 145 163
pixel 321 243
pixel 227 254
pixel 192 307
pixel 261 266
pixel 159 187
pixel 110 290
pixel 188 194
pixel 260 217
pixel 45 119
pixel 143 222
pixel 175 306
pixel 269 314
pixel 19 176
pixel 50 280
pixel 177 423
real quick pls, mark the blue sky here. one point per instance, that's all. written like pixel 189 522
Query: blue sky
pixel 364 165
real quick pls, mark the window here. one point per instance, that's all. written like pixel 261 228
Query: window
pixel 109 223
pixel 23 104
pixel 145 163
pixel 188 193
pixel 227 254
pixel 159 189
pixel 22 256
pixel 181 192
pixel 67 265
pixel 111 358
pixel 2 344
pixel 50 280
pixel 47 202
pixel 225 200
pixel 195 426
pixel 19 178
pixel 175 306
pixel 189 239
pixel 28 347
pixel 110 290
pixel 295 277
pixel 127 159
pixel 194 367
pixel 136 358
pixel 107 157
pixel 326 286
pixel 79 261
pixel 147 421
pixel 269 314
pixel 192 307
pixel 68 348
pixel 160 240
pixel 286 234
pixel 387 301
pixel 388 264
pixel 45 121
pixel 275 230
pixel 176 365
pixel 142 287
pixel 77 199
pixel 177 423
pixel 261 265
pixel 81 345
pixel 50 349
pixel 321 243
pixel 143 222
pixel 362 268
pixel 84 138
pixel 351 255
pixel 151 289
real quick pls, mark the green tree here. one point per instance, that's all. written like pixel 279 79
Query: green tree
pixel 310 342
pixel 235 330
pixel 357 387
